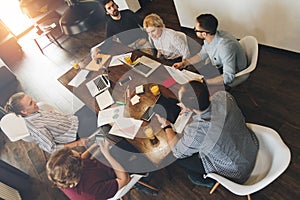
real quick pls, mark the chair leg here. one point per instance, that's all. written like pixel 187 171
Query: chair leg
pixel 248 197
pixel 147 185
pixel 214 188
pixel 36 42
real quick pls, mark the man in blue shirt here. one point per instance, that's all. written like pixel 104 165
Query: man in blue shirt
pixel 217 140
pixel 223 50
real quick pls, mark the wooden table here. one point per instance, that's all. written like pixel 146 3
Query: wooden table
pixel 155 154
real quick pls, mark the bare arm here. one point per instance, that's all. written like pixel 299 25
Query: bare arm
pixel 172 138
pixel 87 153
pixel 122 176
pixel 80 142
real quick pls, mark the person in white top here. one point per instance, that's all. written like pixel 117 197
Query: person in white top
pixel 171 45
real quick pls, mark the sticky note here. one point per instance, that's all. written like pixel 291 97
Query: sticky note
pixel 169 82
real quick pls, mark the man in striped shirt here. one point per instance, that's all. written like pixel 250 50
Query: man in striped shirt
pixel 49 129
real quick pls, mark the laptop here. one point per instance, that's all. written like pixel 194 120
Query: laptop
pixel 98 85
pixel 145 66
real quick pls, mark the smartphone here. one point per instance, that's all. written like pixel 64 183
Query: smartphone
pixel 125 80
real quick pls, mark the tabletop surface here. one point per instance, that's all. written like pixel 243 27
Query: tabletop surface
pixel 154 153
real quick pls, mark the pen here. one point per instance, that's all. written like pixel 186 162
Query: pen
pixel 126 93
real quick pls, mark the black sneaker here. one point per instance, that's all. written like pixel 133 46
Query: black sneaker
pixel 145 189
pixel 206 183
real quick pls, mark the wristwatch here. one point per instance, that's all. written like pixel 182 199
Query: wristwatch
pixel 168 126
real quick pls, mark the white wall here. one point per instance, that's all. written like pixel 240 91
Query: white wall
pixel 272 22
pixel 133 5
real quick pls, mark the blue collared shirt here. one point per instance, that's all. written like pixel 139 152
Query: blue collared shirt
pixel 225 51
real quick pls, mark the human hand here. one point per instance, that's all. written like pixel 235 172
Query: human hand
pixel 142 41
pixel 179 65
pixel 82 142
pixel 104 146
pixel 162 120
pixel 183 108
pixel 95 52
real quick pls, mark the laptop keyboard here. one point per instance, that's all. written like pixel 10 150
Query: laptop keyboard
pixel 100 83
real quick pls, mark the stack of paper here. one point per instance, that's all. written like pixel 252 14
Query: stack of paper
pixel 183 76
pixel 126 127
pixel 122 126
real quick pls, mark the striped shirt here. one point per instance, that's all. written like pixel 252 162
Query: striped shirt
pixel 172 44
pixel 51 130
pixel 221 138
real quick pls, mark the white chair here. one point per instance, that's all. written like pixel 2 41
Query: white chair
pixel 134 178
pixel 272 160
pixel 184 37
pixel 250 46
pixel 14 126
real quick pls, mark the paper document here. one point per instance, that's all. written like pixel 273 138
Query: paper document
pixel 116 60
pixel 126 127
pixel 122 126
pixel 104 99
pixel 181 121
pixel 191 75
pixel 183 76
pixel 79 78
pixel 109 115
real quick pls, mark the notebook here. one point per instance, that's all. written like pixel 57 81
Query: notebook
pixel 96 65
pixel 98 84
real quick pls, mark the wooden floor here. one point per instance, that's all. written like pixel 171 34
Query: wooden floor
pixel 274 86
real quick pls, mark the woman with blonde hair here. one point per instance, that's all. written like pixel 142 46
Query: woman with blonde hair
pixel 171 45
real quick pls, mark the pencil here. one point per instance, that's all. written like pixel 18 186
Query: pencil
pixel 126 93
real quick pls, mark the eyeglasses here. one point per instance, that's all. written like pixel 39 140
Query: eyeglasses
pixel 200 31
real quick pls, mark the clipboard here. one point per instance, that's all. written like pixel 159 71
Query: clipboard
pixel 94 66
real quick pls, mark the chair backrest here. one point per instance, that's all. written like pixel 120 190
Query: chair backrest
pixel 185 38
pixel 134 178
pixel 250 46
pixel 272 160
pixel 182 35
pixel 14 127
